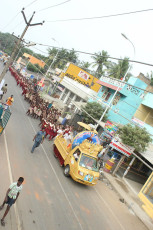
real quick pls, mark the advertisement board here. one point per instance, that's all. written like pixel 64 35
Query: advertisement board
pixel 120 147
pixel 77 74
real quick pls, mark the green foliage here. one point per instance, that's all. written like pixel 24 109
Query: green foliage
pixel 135 136
pixel 118 70
pixel 35 68
pixel 85 65
pixel 101 61
pixel 63 56
pixel 7 42
pixel 95 110
pixel 150 76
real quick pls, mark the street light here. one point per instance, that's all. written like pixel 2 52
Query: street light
pixel 129 41
pixel 108 106
pixel 53 58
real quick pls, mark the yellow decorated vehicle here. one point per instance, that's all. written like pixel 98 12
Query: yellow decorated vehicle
pixel 80 157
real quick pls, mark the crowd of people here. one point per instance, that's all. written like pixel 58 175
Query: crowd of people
pixel 41 109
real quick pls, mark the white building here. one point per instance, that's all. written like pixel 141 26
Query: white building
pixel 74 91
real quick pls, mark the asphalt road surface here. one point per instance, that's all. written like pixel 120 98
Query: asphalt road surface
pixel 49 200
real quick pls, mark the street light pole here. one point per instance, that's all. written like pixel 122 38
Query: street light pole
pixel 108 106
pixel 53 59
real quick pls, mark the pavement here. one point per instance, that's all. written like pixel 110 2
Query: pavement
pixel 49 200
pixel 128 195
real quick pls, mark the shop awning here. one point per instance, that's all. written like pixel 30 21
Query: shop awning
pixel 120 147
pixel 108 85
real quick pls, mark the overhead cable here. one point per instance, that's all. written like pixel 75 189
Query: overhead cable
pixel 54 5
pixel 94 54
pixel 100 17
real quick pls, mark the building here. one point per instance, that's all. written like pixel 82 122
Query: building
pixel 29 58
pixel 77 85
pixel 74 91
pixel 127 100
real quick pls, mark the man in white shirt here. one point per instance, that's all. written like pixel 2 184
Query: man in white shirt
pixel 11 197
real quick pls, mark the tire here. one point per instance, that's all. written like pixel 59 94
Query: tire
pixel 67 171
pixel 55 149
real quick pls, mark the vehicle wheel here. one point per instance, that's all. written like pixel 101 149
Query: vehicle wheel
pixel 55 150
pixel 67 171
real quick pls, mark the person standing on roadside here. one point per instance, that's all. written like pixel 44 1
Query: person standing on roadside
pixel 3 91
pixel 12 195
pixel 9 101
pixel 4 88
pixel 38 138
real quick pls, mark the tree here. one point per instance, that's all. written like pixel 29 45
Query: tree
pixel 7 42
pixel 62 58
pixel 95 110
pixel 85 65
pixel 100 61
pixel 135 136
pixel 150 77
pixel 35 68
pixel 118 70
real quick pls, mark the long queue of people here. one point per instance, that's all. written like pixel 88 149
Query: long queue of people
pixel 41 109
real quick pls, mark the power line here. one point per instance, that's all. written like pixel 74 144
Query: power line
pixel 96 55
pixel 54 5
pixel 83 52
pixel 10 21
pixel 17 15
pixel 100 17
pixel 31 3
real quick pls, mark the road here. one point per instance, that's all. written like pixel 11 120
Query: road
pixel 49 200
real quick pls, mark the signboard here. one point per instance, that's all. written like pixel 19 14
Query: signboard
pixel 109 131
pixel 77 74
pixel 113 81
pixel 119 146
pixel 138 122
pixel 111 128
pixel 83 75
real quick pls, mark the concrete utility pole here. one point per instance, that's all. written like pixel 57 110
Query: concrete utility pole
pixel 18 42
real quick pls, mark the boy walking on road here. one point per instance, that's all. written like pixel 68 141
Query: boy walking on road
pixel 11 197
pixel 38 138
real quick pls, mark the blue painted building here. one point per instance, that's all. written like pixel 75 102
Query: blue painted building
pixel 127 100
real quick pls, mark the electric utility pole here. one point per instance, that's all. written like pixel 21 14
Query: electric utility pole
pixel 18 42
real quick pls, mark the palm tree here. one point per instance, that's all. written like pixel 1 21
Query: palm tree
pixel 118 70
pixel 62 58
pixel 85 65
pixel 100 61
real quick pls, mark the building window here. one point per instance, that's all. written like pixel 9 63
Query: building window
pixel 116 99
pixel 105 93
pixel 107 96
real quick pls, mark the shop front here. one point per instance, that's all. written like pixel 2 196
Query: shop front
pixel 116 154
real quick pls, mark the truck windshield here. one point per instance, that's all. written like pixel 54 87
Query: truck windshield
pixel 88 162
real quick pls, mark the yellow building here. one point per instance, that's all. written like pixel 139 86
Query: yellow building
pixel 76 73
pixel 31 59
pixel 145 110
pixel 146 196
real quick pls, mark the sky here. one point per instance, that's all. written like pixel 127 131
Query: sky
pixel 86 35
